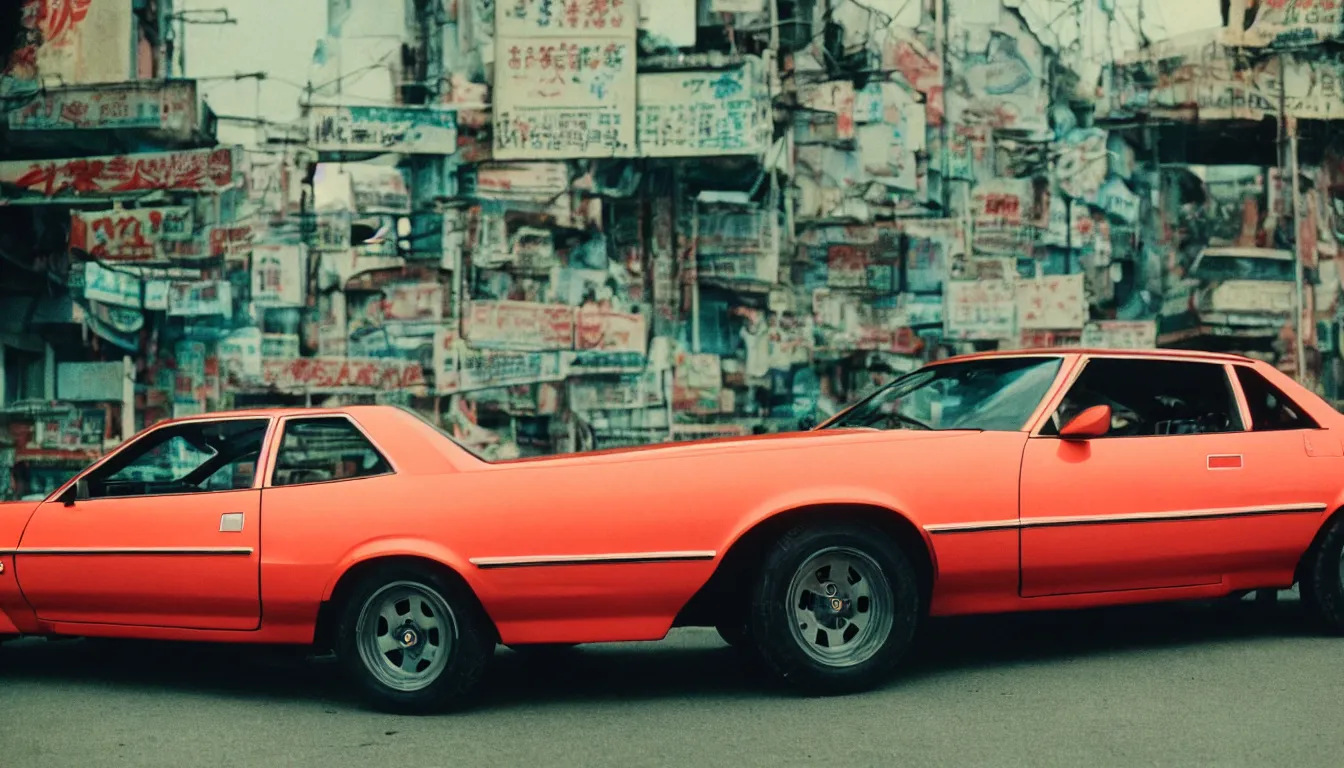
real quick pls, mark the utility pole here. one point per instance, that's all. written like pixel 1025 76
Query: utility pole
pixel 193 16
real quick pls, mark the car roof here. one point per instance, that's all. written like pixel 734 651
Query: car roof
pixel 1183 354
pixel 273 413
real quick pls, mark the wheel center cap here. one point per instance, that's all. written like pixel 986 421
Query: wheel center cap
pixel 409 637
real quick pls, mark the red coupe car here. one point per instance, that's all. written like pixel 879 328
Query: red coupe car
pixel 989 483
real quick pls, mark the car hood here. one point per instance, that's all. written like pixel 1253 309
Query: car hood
pixel 13 518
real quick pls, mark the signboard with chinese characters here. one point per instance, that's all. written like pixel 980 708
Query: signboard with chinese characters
pixel 328 374
pixel 519 325
pixel 564 79
pixel 404 129
pixel 129 234
pixel 277 275
pixel 156 105
pixel 607 331
pixel 199 299
pixel 704 113
pixel 124 176
pixel 1120 334
pixel 979 309
pixel 1051 302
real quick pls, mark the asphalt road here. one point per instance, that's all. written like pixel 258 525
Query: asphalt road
pixel 1180 685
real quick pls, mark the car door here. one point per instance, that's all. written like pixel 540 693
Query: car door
pixel 1169 498
pixel 164 533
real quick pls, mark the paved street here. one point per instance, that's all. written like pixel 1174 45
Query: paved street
pixel 1188 685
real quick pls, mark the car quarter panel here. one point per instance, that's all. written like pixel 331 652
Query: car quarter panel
pixel 683 507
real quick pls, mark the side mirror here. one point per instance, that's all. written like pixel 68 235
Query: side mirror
pixel 1093 422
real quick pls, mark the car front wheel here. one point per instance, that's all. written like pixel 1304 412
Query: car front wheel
pixel 1321 581
pixel 835 608
pixel 414 642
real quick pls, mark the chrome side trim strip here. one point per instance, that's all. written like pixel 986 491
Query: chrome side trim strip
pixel 128 551
pixel 1174 516
pixel 1137 517
pixel 621 558
pixel 988 525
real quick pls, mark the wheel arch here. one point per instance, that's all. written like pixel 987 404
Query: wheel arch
pixel 355 568
pixel 748 549
pixel 1328 520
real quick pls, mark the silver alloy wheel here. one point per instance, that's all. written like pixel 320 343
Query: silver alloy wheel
pixel 405 635
pixel 842 607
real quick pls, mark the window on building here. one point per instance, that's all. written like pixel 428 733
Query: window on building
pixel 1271 410
pixel 1153 397
pixel 24 375
pixel 192 457
pixel 321 449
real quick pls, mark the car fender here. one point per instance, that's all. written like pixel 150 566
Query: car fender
pixel 827 495
pixel 399 546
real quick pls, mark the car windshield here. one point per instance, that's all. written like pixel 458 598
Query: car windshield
pixel 993 394
pixel 1244 268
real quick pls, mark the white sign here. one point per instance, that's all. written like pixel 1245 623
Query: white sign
pixel 1051 303
pixel 564 79
pixel 1120 334
pixel 705 112
pixel 979 309
pixel 403 129
pixel 111 286
pixel 277 275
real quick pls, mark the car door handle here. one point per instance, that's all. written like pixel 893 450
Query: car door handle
pixel 231 522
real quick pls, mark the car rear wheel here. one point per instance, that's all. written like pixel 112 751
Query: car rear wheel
pixel 414 642
pixel 1321 582
pixel 736 632
pixel 835 608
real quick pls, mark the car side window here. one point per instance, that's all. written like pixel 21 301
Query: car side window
pixel 1271 410
pixel 325 448
pixel 191 457
pixel 1153 397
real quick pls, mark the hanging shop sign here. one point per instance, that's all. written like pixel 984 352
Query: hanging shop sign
pixel 111 286
pixel 124 176
pixel 1051 302
pixel 277 275
pixel 1003 214
pixel 564 80
pixel 129 234
pixel 1285 23
pixel 1120 334
pixel 153 105
pixel 605 331
pixel 73 42
pixel 491 369
pixel 406 130
pixel 519 325
pixel 704 113
pixel 325 374
pixel 980 309
pixel 201 299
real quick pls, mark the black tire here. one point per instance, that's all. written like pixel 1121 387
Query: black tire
pixel 736 633
pixel 1321 582
pixel 457 682
pixel 773 617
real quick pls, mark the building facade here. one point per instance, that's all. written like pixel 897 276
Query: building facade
pixel 554 225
